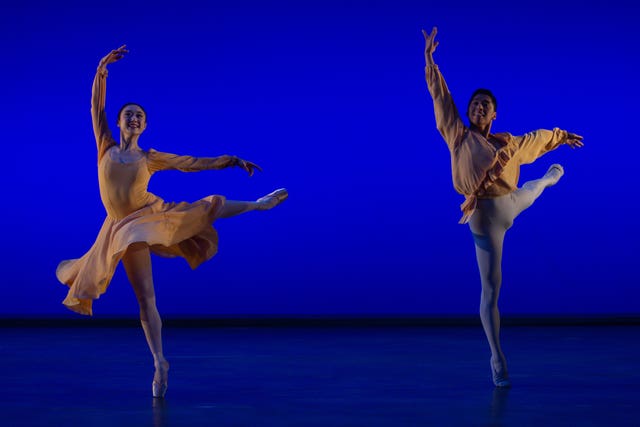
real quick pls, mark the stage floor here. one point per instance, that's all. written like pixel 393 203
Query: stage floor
pixel 320 376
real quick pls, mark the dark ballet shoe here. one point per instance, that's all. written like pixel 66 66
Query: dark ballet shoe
pixel 273 199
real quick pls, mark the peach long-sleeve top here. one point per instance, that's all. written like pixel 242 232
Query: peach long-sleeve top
pixel 136 215
pixel 473 156
pixel 123 186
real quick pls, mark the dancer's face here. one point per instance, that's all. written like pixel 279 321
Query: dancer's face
pixel 481 111
pixel 133 120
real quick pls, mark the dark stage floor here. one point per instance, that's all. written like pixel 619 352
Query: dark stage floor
pixel 320 376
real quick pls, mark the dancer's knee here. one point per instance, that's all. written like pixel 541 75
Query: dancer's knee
pixel 489 297
pixel 492 280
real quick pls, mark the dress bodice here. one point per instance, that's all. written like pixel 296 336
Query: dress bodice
pixel 123 185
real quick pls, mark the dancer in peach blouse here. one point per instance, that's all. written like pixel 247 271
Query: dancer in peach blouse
pixel 485 169
pixel 139 222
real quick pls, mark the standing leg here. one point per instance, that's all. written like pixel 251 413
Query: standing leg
pixel 489 242
pixel 137 263
pixel 271 200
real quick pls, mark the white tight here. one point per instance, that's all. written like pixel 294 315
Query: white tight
pixel 488 224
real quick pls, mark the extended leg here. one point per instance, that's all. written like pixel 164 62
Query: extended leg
pixel 235 207
pixel 531 190
pixel 271 200
pixel 137 263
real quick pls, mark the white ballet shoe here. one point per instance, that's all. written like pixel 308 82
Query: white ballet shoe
pixel 554 173
pixel 272 199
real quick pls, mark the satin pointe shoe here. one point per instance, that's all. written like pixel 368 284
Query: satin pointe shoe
pixel 159 385
pixel 500 378
pixel 273 199
pixel 159 389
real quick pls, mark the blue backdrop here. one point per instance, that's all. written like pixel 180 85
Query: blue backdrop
pixel 330 100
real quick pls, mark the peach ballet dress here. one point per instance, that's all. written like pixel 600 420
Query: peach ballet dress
pixel 136 215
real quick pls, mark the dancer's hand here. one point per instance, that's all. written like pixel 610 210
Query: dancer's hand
pixel 247 166
pixel 574 140
pixel 113 56
pixel 430 45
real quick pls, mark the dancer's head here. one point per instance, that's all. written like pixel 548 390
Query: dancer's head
pixel 132 118
pixel 482 108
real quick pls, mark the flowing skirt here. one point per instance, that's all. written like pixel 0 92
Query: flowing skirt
pixel 170 230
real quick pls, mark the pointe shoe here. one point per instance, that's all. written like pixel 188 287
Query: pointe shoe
pixel 500 379
pixel 554 173
pixel 273 199
pixel 159 389
pixel 159 385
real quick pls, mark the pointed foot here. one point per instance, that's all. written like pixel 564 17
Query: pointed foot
pixel 554 173
pixel 160 379
pixel 499 374
pixel 272 199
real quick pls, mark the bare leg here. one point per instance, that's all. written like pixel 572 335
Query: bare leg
pixel 271 200
pixel 235 207
pixel 137 263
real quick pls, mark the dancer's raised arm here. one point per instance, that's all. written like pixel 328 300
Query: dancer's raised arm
pixel 139 222
pixel 447 117
pixel 104 140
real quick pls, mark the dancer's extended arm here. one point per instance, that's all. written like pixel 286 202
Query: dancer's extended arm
pixel 166 161
pixel 447 117
pixel 535 144
pixel 104 140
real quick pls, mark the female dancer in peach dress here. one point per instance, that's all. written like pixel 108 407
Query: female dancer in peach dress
pixel 486 168
pixel 139 222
